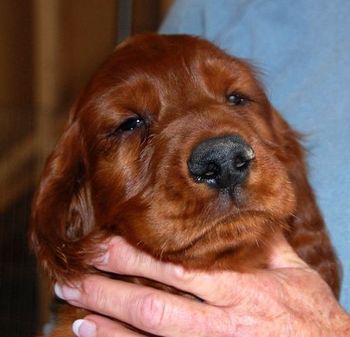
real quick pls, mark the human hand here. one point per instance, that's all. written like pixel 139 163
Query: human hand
pixel 288 299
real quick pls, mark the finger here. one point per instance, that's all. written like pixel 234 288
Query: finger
pixel 146 308
pixel 282 255
pixel 213 287
pixel 98 326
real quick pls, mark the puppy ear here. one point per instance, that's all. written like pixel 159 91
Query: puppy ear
pixel 307 231
pixel 62 213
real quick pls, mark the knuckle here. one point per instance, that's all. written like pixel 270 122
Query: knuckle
pixel 94 294
pixel 150 312
pixel 180 274
pixel 121 255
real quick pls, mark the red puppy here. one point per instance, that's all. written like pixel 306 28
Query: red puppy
pixel 175 146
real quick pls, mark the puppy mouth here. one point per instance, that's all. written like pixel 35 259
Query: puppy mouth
pixel 230 230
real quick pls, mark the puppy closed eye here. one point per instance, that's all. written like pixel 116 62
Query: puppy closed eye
pixel 237 99
pixel 126 127
pixel 131 124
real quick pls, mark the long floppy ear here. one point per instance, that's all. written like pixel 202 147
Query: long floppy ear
pixel 307 231
pixel 62 212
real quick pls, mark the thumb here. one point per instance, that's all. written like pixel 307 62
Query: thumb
pixel 282 255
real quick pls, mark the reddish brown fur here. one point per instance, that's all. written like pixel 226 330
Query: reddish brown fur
pixel 136 184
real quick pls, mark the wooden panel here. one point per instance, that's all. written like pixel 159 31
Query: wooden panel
pixel 15 58
pixel 47 72
pixel 16 71
pixel 17 171
pixel 88 35
pixel 16 101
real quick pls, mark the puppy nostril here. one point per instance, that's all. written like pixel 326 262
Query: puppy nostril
pixel 242 161
pixel 241 164
pixel 212 171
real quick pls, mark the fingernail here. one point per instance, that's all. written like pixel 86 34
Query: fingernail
pixel 66 293
pixel 84 328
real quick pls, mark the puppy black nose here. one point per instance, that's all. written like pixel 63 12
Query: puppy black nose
pixel 221 162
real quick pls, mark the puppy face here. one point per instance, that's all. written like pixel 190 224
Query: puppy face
pixel 174 146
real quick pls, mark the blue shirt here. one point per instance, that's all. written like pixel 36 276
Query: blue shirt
pixel 303 49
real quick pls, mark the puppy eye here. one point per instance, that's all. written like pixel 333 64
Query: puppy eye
pixel 131 124
pixel 237 99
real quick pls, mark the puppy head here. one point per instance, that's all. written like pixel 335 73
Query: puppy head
pixel 173 145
